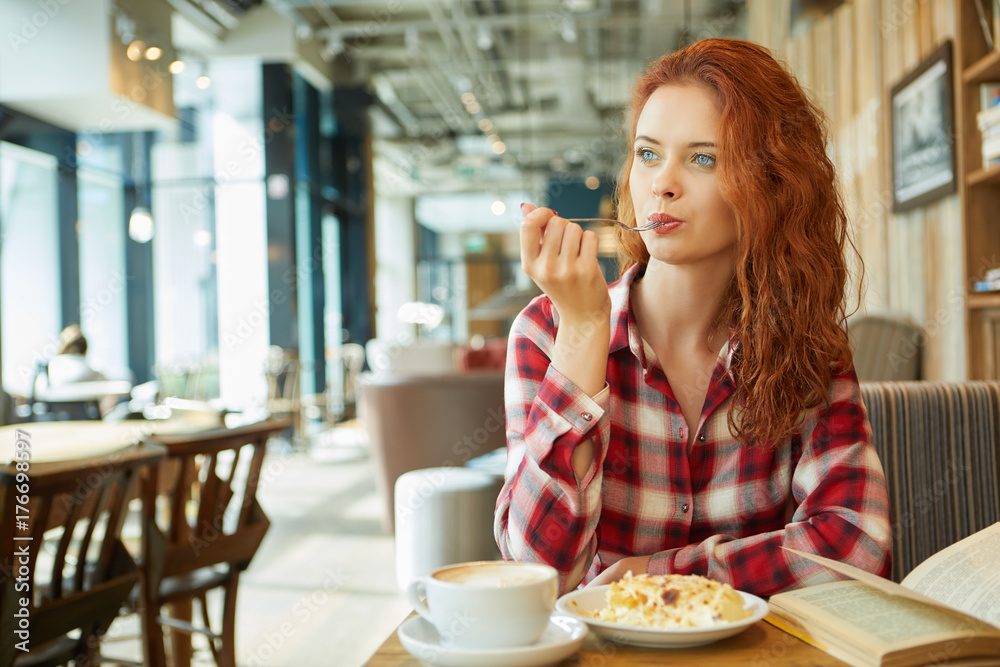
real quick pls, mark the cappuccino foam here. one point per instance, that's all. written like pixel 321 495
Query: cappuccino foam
pixel 492 576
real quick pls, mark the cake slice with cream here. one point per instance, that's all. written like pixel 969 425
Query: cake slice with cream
pixel 672 601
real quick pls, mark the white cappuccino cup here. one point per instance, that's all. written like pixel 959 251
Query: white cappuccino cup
pixel 487 604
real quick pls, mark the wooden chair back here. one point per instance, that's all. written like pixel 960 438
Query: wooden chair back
pixel 212 515
pixel 208 523
pixel 63 566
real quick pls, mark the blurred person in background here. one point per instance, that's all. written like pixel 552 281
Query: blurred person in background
pixel 70 362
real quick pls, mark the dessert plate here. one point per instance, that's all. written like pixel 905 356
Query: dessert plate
pixel 582 604
pixel 561 639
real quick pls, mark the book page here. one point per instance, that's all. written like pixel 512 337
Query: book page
pixel 884 585
pixel 965 576
pixel 866 614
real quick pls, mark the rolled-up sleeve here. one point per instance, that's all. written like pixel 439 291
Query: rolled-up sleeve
pixel 544 513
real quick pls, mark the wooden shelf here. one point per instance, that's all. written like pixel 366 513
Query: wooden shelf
pixel 989 176
pixel 979 197
pixel 984 300
pixel 985 69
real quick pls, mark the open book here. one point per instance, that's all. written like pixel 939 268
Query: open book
pixel 946 611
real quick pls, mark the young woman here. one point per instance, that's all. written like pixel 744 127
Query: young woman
pixel 702 412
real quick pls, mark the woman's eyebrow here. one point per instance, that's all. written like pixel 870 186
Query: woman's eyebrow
pixel 693 144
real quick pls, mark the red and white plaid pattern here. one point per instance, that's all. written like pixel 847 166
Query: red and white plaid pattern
pixel 721 510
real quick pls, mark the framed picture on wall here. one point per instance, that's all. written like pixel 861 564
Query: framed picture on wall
pixel 923 133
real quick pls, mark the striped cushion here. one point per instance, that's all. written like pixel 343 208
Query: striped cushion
pixel 939 446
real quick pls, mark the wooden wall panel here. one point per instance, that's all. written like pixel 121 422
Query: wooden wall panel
pixel 849 62
pixel 872 191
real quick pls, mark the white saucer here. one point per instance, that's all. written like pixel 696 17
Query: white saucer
pixel 561 639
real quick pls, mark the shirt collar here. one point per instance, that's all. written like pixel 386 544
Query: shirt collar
pixel 621 312
pixel 623 322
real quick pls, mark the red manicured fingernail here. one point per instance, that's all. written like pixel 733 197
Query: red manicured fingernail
pixel 523 204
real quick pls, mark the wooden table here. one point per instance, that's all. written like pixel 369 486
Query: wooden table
pixel 72 440
pixel 81 392
pixel 761 645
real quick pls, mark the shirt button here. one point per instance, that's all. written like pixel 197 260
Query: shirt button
pixel 587 416
pixel 684 508
pixel 701 438
pixel 682 432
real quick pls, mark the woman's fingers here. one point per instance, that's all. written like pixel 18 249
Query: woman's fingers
pixel 555 252
pixel 531 236
pixel 552 237
pixel 589 244
pixel 532 228
pixel 569 248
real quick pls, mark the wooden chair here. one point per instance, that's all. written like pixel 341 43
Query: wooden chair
pixel 209 530
pixel 78 570
pixel 284 399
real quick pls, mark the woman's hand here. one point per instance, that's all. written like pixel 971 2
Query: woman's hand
pixel 562 260
pixel 637 564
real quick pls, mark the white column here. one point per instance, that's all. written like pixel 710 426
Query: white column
pixel 244 302
pixel 395 265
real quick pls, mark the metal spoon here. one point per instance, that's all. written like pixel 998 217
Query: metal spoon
pixel 642 228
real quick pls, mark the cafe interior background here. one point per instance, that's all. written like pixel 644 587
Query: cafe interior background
pixel 208 187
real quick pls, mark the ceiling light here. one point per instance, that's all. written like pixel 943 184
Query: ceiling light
pixel 203 82
pixel 485 124
pixel 135 50
pixel 592 182
pixel 334 46
pixel 202 238
pixel 277 186
pixel 484 40
pixel 499 147
pixel 154 53
pixel 473 108
pixel 140 225
pixel 569 30
pixel 176 67
pixel 468 97
pixel 412 39
pixel 498 207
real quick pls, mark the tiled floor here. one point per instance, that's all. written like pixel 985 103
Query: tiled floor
pixel 321 592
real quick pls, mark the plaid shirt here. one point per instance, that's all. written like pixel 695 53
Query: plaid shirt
pixel 717 509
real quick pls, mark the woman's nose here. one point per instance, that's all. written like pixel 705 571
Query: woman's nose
pixel 665 183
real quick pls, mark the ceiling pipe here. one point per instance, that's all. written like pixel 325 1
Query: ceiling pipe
pixel 497 54
pixel 199 17
pixel 349 29
pixel 286 9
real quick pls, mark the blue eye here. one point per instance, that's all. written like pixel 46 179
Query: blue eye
pixel 644 155
pixel 704 160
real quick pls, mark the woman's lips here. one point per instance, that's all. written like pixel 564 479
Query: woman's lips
pixel 668 223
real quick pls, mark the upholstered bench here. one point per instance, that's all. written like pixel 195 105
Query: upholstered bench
pixel 939 447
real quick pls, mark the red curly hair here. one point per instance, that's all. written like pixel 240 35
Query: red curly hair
pixel 787 303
